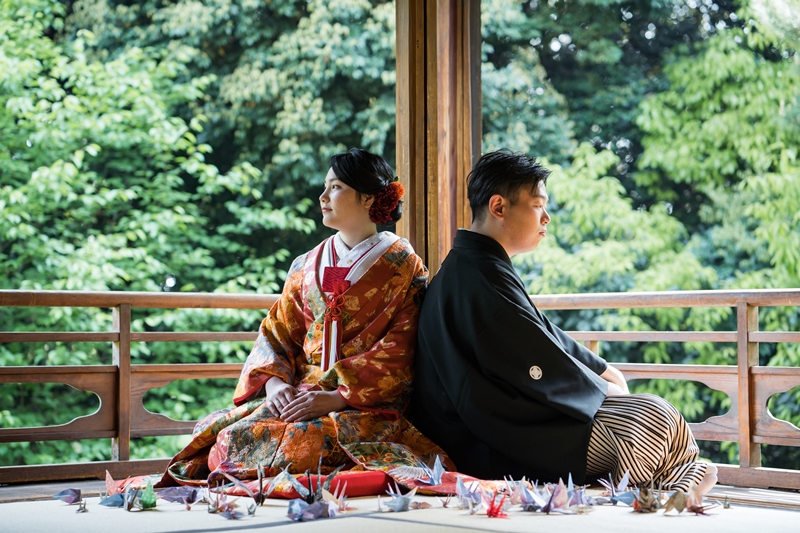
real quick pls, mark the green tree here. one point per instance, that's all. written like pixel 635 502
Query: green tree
pixel 729 129
pixel 295 81
pixel 104 187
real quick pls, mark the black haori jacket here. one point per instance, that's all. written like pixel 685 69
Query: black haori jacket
pixel 499 387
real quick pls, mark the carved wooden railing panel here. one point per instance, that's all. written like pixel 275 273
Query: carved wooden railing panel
pixel 721 378
pixel 768 381
pixel 101 380
pixel 146 377
pixel 122 386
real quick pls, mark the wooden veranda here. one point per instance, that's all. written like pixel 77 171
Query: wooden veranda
pixel 122 385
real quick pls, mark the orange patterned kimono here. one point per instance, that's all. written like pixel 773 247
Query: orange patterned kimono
pixel 373 374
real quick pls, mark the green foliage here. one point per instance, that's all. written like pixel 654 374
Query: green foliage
pixel 725 117
pixel 521 109
pixel 603 243
pixel 106 185
pixel 295 82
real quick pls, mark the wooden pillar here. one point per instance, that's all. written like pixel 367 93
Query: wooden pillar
pixel 121 444
pixel 438 118
pixel 747 322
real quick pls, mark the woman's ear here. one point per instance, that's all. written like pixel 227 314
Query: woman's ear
pixel 367 200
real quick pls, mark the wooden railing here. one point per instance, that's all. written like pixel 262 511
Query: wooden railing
pixel 121 386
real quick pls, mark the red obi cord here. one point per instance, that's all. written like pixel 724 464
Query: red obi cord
pixel 332 332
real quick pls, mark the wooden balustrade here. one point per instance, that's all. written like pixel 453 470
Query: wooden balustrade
pixel 121 386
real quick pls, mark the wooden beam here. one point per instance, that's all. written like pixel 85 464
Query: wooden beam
pixel 411 112
pixel 194 336
pixel 761 478
pixel 155 300
pixel 58 336
pixel 645 300
pixel 653 336
pixel 469 98
pixel 101 380
pixel 438 118
pixel 90 470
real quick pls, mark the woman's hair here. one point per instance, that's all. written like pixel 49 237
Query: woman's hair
pixel 370 174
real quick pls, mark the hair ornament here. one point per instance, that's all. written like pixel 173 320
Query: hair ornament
pixel 385 202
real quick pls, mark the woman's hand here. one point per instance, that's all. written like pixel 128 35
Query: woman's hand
pixel 279 395
pixel 313 404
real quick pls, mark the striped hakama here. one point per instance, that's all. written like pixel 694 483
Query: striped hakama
pixel 646 435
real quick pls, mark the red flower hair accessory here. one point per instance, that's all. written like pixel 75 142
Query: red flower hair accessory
pixel 385 202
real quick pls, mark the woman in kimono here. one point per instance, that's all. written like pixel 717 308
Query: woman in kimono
pixel 330 374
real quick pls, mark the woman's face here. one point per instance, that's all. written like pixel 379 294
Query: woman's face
pixel 342 209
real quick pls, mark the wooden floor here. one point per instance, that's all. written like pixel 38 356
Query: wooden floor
pixel 776 499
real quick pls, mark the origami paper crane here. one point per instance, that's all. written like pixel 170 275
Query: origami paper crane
pixel 620 493
pixel 646 501
pixel 69 496
pixel 531 499
pixel 494 508
pixel 300 511
pixel 148 498
pixel 399 502
pixel 421 472
pixel 677 501
pixel 219 503
pixel 559 498
pixel 314 502
pixel 577 499
pixel 468 498
pixel 183 494
pixel 338 498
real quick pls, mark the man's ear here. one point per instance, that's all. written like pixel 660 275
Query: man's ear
pixel 497 207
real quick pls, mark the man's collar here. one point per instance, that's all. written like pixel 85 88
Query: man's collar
pixel 477 241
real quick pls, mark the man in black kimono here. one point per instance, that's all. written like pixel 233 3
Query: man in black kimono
pixel 501 389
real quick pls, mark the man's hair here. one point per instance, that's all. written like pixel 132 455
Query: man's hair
pixel 505 173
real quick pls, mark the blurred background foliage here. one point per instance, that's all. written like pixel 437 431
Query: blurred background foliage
pixel 179 145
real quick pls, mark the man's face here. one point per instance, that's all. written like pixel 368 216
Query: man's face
pixel 525 221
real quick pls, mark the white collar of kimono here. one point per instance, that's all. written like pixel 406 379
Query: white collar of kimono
pixel 359 258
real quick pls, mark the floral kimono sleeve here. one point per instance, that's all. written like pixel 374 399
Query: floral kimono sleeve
pixel 280 339
pixel 379 378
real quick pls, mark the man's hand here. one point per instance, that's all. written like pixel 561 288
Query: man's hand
pixel 615 390
pixel 313 404
pixel 615 378
pixel 279 395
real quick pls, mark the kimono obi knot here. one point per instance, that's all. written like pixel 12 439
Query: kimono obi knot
pixel 335 301
pixel 332 332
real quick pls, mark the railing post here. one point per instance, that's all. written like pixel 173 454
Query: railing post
pixel 593 346
pixel 747 322
pixel 121 444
